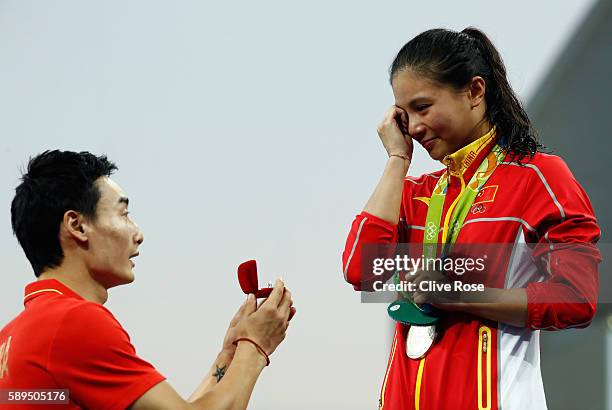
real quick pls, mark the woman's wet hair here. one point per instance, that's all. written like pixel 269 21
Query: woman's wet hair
pixel 453 58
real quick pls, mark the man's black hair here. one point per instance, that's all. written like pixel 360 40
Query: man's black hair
pixel 55 182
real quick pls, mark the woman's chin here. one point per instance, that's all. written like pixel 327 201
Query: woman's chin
pixel 435 148
pixel 437 154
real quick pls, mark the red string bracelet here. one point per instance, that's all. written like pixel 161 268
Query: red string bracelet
pixel 246 339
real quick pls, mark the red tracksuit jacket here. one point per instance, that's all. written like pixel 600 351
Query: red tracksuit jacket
pixel 477 363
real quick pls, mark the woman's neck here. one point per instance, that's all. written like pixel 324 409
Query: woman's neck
pixel 480 129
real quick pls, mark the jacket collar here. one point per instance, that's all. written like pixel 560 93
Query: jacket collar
pixel 465 161
pixel 47 287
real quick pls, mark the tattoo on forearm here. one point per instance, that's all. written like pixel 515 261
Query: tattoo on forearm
pixel 219 373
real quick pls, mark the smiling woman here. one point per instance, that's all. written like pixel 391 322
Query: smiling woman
pixel 440 118
pixel 456 83
pixel 474 345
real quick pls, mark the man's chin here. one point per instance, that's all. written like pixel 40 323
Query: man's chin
pixel 124 279
pixel 110 279
pixel 129 277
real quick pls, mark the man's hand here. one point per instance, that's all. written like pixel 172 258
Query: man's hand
pixel 229 348
pixel 268 323
pixel 265 325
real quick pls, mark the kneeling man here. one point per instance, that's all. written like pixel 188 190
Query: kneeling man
pixel 73 224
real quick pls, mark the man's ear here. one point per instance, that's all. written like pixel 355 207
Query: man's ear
pixel 73 225
pixel 478 88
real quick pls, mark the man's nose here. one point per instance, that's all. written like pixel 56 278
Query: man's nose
pixel 139 238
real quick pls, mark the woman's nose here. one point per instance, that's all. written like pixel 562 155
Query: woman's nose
pixel 416 130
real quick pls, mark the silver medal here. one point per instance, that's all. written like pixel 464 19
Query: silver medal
pixel 419 340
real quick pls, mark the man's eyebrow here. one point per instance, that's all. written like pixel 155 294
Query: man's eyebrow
pixel 124 200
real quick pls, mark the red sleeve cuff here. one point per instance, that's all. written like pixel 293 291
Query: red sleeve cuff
pixel 554 306
pixel 534 311
pixel 138 390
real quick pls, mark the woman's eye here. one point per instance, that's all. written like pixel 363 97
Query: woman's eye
pixel 422 107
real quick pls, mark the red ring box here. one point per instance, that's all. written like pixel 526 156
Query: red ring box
pixel 247 277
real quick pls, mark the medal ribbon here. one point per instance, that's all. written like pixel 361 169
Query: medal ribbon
pixel 458 210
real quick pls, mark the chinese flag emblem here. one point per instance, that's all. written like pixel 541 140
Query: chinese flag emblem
pixel 486 194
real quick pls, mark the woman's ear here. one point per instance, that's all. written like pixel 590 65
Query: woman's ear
pixel 73 225
pixel 478 88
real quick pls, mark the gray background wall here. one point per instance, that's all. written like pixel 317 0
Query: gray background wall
pixel 242 130
pixel 571 109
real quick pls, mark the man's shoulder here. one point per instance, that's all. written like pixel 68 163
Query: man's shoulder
pixel 45 315
pixel 84 316
pixel 66 311
pixel 88 330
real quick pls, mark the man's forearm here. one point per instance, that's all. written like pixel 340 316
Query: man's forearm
pixel 213 377
pixel 233 389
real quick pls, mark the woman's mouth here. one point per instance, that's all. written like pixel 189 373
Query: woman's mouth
pixel 428 144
